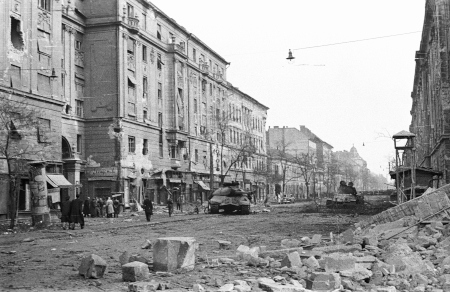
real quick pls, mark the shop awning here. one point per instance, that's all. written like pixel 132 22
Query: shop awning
pixel 175 180
pixel 202 185
pixel 58 181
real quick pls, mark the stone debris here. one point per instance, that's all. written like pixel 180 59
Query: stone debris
pixel 291 260
pixel 171 253
pixel 147 244
pixel 143 286
pixel 135 271
pixel 223 244
pixel 92 266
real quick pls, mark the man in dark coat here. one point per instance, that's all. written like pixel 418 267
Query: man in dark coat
pixel 65 212
pixel 148 208
pixel 86 207
pixel 92 205
pixel 76 213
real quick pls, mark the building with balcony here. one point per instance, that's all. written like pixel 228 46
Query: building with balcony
pixel 133 97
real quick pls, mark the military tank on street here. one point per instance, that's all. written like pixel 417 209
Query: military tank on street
pixel 347 197
pixel 231 199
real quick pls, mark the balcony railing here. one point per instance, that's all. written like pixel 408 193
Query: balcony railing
pixel 133 22
pixel 203 67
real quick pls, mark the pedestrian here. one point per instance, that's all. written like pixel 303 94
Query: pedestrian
pixel 76 212
pixel 109 208
pixel 97 209
pixel 170 205
pixel 65 212
pixel 86 206
pixel 116 207
pixel 101 207
pixel 148 208
pixel 92 207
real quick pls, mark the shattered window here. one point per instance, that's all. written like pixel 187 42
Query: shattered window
pixel 16 34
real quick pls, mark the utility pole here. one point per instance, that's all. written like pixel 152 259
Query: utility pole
pixel 211 168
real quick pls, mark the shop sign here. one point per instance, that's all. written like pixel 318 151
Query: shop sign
pixel 102 172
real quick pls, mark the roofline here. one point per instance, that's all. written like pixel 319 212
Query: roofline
pixel 185 31
pixel 247 96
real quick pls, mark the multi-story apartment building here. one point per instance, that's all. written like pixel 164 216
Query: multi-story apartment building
pixel 132 95
pixel 295 145
pixel 430 107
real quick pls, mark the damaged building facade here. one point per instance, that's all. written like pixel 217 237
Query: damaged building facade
pixel 133 97
pixel 430 95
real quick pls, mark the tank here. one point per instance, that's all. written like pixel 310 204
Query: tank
pixel 231 199
pixel 346 197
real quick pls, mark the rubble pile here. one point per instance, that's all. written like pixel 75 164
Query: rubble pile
pixel 405 248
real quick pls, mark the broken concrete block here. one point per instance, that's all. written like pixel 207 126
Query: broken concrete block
pixel 135 271
pixel 277 287
pixel 337 248
pixel 242 288
pixel 386 289
pixel 311 263
pixel 289 243
pixel 198 288
pixel 338 262
pixel 138 258
pixel 241 250
pixel 357 274
pixel 347 236
pixel 316 239
pixel 223 244
pixel 226 288
pixel 92 266
pixel 124 258
pixel 324 281
pixel 143 286
pixel 147 244
pixel 305 240
pixel 171 253
pixel 291 260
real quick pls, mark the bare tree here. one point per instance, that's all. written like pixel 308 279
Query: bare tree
pixel 19 143
pixel 234 147
pixel 307 165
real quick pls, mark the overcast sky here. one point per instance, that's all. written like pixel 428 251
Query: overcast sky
pixel 348 94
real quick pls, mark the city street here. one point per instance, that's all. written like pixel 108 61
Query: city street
pixel 48 260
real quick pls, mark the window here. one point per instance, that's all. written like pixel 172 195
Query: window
pixel 159 63
pixel 145 115
pixel 44 4
pixel 161 144
pixel 131 98
pixel 159 90
pixel 145 147
pixel 195 105
pixel 194 55
pixel 130 10
pixel 158 31
pixel 210 89
pixel 16 76
pixel 131 144
pixel 144 53
pixel 171 38
pixel 196 155
pixel 131 45
pixel 16 34
pixel 173 151
pixel 144 87
pixel 79 107
pixel 43 130
pixel 144 21
pixel 160 120
pixel 78 40
pixel 79 143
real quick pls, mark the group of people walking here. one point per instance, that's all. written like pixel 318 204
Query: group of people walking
pixel 73 212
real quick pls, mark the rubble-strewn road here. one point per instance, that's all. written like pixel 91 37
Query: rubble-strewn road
pixel 48 260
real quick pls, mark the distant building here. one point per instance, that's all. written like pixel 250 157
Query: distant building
pixel 294 144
